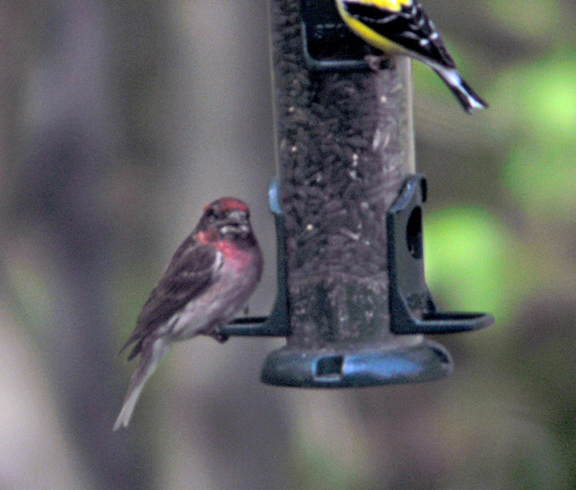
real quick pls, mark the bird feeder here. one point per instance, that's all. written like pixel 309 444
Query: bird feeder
pixel 352 299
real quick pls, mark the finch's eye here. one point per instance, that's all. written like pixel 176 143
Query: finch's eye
pixel 211 214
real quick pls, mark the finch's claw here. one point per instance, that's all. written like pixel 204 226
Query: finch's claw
pixel 378 62
pixel 219 335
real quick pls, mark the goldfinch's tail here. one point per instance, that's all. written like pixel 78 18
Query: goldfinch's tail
pixel 469 99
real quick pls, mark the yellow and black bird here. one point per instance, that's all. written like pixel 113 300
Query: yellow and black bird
pixel 402 27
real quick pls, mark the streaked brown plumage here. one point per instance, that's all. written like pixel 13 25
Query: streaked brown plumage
pixel 208 280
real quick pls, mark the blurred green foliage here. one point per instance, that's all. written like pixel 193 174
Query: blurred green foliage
pixel 513 251
pixel 467 253
pixel 540 171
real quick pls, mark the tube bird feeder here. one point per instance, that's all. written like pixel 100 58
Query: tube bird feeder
pixel 352 298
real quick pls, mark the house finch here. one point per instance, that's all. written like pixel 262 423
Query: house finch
pixel 208 280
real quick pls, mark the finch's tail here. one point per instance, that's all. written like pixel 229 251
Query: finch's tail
pixel 469 99
pixel 150 355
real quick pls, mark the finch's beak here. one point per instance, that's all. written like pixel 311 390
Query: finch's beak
pixel 237 223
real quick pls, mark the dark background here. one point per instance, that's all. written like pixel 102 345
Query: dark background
pixel 120 120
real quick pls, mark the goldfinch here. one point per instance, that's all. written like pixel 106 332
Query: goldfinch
pixel 402 27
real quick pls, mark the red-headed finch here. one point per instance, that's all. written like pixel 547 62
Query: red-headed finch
pixel 208 280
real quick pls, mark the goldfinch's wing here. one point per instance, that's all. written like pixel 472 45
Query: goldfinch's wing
pixel 409 28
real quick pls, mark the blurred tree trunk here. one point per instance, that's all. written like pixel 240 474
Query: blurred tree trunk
pixel 58 198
